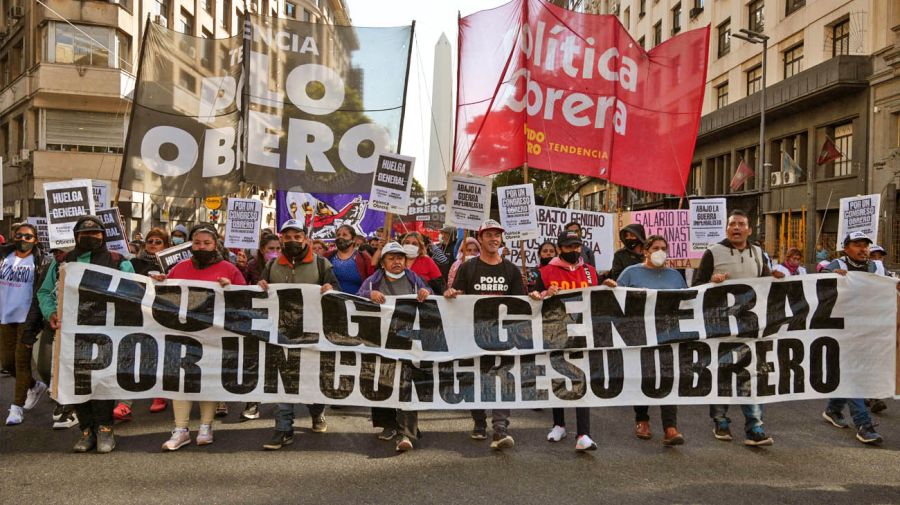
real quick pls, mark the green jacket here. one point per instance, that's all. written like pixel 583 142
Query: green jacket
pixel 46 294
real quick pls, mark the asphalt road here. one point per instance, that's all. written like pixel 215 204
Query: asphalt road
pixel 811 462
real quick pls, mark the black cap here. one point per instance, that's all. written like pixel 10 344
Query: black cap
pixel 568 238
pixel 89 223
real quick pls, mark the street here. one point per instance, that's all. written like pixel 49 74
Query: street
pixel 811 462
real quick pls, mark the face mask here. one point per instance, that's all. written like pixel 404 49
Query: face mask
pixel 546 261
pixel 89 243
pixel 204 258
pixel 658 258
pixel 793 263
pixel 294 249
pixel 271 255
pixel 570 257
pixel 177 240
pixel 411 250
pixel 343 244
pixel 395 276
pixel 23 246
pixel 631 243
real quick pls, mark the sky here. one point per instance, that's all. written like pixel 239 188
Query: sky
pixel 432 18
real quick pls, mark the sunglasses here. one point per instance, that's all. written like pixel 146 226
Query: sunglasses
pixel 26 236
pixel 155 242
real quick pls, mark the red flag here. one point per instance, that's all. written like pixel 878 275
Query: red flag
pixel 574 93
pixel 828 153
pixel 741 175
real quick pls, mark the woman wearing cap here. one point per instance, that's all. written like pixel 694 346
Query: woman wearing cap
pixel 395 279
pixel 206 264
pixel 179 235
pixel 791 265
pixel 418 261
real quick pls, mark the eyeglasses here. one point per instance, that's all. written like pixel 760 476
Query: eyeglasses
pixel 26 236
pixel 155 242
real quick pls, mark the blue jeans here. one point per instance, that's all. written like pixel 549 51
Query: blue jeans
pixel 752 415
pixel 858 409
pixel 284 415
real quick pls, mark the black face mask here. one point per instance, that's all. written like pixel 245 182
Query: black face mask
pixel 546 261
pixel 89 244
pixel 631 243
pixel 294 249
pixel 23 246
pixel 343 244
pixel 205 258
pixel 570 257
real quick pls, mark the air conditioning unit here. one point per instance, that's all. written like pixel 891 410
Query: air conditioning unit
pixel 161 21
pixel 25 154
pixel 16 11
pixel 776 179
pixel 695 12
pixel 789 177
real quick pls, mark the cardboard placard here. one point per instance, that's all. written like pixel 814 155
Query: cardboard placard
pixel 468 200
pixel 243 225
pixel 392 183
pixel 66 202
pixel 517 212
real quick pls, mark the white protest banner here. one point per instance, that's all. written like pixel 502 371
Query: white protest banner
pixel 816 336
pixel 244 221
pixel 859 213
pixel 597 233
pixel 675 226
pixel 708 219
pixel 392 183
pixel 170 257
pixel 101 194
pixel 468 200
pixel 41 224
pixel 517 212
pixel 66 201
pixel 116 239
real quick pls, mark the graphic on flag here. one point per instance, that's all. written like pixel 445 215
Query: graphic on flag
pixel 741 175
pixel 789 165
pixel 829 152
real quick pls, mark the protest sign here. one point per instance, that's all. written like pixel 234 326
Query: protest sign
pixel 859 213
pixel 425 215
pixel 100 190
pixel 392 183
pixel 244 221
pixel 749 341
pixel 708 219
pixel 170 257
pixel 66 201
pixel 116 239
pixel 323 213
pixel 468 200
pixel 675 226
pixel 517 212
pixel 40 223
pixel 597 233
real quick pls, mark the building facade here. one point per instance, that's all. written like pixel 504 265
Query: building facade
pixel 67 71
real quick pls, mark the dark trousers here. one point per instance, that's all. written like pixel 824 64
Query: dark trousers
pixel 582 419
pixel 284 414
pixel 93 414
pixel 669 414
pixel 499 419
pixel 405 422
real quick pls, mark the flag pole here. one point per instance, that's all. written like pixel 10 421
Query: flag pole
pixel 522 242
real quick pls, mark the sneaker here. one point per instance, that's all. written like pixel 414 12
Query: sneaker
pixel 478 433
pixel 279 440
pixel 387 434
pixel 205 435
pixel 404 444
pixel 122 412
pixel 87 441
pixel 58 412
pixel 556 434
pixel 585 443
pixel 106 440
pixel 876 405
pixel 250 412
pixel 319 425
pixel 672 437
pixel 642 430
pixel 757 438
pixel 158 405
pixel 16 415
pixel 221 409
pixel 34 395
pixel 502 441
pixel 867 434
pixel 180 438
pixel 836 419
pixel 68 420
pixel 722 432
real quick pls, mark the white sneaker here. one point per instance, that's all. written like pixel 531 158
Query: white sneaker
pixel 180 438
pixel 66 421
pixel 205 435
pixel 16 416
pixel 34 395
pixel 585 444
pixel 556 434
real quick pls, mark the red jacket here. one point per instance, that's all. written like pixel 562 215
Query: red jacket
pixel 566 276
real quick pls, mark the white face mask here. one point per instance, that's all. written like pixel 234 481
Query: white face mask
pixel 411 250
pixel 395 276
pixel 658 258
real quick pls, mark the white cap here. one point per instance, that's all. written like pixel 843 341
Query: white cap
pixel 856 235
pixel 876 248
pixel 490 224
pixel 392 248
pixel 293 224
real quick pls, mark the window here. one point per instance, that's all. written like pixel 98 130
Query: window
pixel 676 18
pixel 722 95
pixel 840 38
pixel 627 18
pixel 793 58
pixel 643 8
pixel 694 186
pixel 187 81
pixel 206 5
pixel 757 22
pixel 657 33
pixel 307 16
pixel 290 9
pixel 160 8
pixel 185 23
pixel 754 80
pixel 66 44
pixel 79 131
pixel 725 38
pixel 224 15
pixel 843 140
pixel 790 6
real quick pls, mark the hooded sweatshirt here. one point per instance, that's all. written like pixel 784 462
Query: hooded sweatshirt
pixel 566 275
pixel 625 257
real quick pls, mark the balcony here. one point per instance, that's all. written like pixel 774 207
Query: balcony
pixel 19 90
pixel 71 86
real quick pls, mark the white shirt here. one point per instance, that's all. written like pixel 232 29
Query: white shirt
pixel 783 269
pixel 16 288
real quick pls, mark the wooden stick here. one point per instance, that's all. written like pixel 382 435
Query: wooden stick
pixel 388 223
pixel 54 380
pixel 522 242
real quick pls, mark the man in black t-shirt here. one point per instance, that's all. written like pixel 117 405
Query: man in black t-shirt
pixel 489 274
